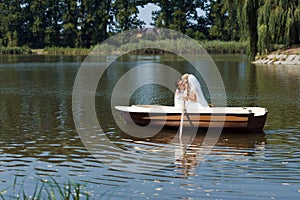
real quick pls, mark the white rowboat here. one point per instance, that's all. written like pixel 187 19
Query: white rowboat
pixel 249 119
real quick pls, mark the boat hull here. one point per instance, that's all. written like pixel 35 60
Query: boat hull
pixel 228 121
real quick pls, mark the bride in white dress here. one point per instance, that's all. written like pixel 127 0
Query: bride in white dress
pixel 194 98
pixel 180 93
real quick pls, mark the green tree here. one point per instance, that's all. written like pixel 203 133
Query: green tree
pixel 126 15
pixel 53 23
pixel 84 23
pixel 250 10
pixel 223 20
pixel 267 22
pixel 4 23
pixel 70 23
pixel 26 26
pixel 163 17
pixel 246 12
pixel 83 40
pixel 11 23
pixel 278 23
pixel 218 18
pixel 102 13
pixel 179 21
pixel 95 20
pixel 199 30
pixel 178 15
pixel 38 26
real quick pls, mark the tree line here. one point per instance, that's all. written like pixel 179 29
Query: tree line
pixel 84 23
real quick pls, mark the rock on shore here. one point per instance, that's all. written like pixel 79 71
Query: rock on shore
pixel 289 56
pixel 279 59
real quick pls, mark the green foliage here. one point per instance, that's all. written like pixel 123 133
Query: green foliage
pixel 125 13
pixel 221 28
pixel 280 22
pixel 184 46
pixel 15 50
pixel 70 22
pixel 180 21
pixel 180 15
pixel 66 51
pixel 263 41
pixel 86 23
pixel 216 46
pixel 47 189
pixel 197 35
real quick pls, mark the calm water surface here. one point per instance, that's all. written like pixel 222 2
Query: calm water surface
pixel 39 142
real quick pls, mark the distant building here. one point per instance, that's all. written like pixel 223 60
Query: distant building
pixel 145 32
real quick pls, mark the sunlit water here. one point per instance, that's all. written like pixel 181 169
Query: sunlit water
pixel 39 141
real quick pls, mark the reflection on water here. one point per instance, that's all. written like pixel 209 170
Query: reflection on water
pixel 189 151
pixel 38 137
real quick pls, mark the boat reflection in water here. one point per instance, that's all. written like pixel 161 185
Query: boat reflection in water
pixel 190 150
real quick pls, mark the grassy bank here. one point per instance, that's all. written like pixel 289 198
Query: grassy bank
pixel 216 46
pixel 280 50
pixel 65 51
pixel 213 47
pixel 15 50
pixel 186 46
pixel 282 56
pixel 293 50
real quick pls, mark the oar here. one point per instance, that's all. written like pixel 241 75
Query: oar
pixel 188 117
pixel 181 119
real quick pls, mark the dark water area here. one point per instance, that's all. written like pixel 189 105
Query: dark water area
pixel 39 140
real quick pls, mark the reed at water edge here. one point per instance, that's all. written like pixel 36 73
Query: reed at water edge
pixel 65 51
pixel 46 189
pixel 211 46
pixel 15 50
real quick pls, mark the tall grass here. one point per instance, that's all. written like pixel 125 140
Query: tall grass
pixel 46 189
pixel 140 47
pixel 182 45
pixel 65 51
pixel 15 50
pixel 216 46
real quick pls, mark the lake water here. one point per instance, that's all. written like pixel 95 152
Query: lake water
pixel 39 141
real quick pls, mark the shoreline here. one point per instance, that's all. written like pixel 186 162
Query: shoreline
pixel 211 46
pixel 279 59
pixel 289 56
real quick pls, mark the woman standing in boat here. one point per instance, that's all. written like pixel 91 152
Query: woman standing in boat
pixel 179 93
pixel 194 98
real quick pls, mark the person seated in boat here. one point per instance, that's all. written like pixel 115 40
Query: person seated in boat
pixel 194 98
pixel 179 93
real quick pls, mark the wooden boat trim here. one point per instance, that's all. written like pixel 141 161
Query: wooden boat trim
pixel 258 111
pixel 232 118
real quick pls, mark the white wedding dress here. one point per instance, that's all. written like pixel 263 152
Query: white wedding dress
pixel 191 106
pixel 200 99
pixel 178 98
